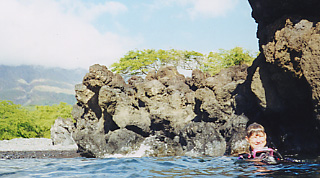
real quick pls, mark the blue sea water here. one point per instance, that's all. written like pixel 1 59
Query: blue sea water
pixel 153 167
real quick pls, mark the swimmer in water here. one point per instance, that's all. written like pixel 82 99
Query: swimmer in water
pixel 257 139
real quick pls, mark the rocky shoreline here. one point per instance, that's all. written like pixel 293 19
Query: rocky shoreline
pixel 38 154
pixel 38 148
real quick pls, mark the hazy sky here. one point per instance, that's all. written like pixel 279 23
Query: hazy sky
pixel 79 33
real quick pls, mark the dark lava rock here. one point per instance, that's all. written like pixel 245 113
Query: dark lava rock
pixel 118 118
pixel 282 90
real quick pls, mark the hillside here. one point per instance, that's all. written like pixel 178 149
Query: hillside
pixel 37 85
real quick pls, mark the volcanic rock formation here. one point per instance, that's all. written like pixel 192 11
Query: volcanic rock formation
pixel 165 112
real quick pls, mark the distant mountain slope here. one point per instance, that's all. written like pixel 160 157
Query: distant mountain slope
pixel 38 85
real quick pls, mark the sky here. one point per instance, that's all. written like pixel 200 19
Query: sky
pixel 79 33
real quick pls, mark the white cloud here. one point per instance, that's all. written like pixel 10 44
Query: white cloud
pixel 58 33
pixel 90 11
pixel 211 8
pixel 199 8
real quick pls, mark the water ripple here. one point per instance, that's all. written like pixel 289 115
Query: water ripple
pixel 152 167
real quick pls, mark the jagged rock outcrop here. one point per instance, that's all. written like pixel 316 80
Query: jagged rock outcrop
pixel 282 89
pixel 166 112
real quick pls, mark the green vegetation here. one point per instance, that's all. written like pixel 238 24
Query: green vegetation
pixel 31 121
pixel 140 62
pixel 216 61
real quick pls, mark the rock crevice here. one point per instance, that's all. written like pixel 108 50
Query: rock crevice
pixel 288 70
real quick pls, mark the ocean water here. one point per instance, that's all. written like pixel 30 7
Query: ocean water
pixel 154 167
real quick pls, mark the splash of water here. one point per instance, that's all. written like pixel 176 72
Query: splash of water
pixel 143 151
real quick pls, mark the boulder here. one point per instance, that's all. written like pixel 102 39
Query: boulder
pixel 97 77
pixel 61 132
pixel 202 138
pixel 122 141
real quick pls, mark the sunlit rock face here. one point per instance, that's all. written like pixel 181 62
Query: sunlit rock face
pixel 283 85
pixel 164 114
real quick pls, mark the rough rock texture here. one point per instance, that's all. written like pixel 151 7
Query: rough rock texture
pixel 61 132
pixel 170 114
pixel 266 12
pixel 282 90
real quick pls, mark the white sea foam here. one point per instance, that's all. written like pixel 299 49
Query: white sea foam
pixel 143 150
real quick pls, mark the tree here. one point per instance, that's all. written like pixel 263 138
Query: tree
pixel 140 62
pixel 29 122
pixel 188 60
pixel 46 115
pixel 15 121
pixel 215 61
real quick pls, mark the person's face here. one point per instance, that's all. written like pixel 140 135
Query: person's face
pixel 257 140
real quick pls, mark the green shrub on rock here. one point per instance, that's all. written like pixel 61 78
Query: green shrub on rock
pixel 216 61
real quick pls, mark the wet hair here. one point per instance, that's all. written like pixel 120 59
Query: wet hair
pixel 254 128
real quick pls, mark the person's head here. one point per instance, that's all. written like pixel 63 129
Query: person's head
pixel 256 136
